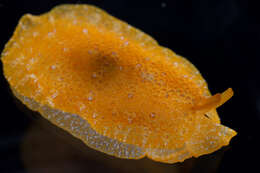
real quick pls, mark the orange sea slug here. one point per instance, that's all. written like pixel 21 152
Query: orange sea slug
pixel 112 86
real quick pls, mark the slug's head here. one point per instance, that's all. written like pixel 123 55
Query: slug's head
pixel 209 135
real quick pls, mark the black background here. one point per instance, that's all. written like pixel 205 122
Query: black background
pixel 220 37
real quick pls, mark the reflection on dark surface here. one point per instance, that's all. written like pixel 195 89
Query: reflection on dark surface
pixel 48 148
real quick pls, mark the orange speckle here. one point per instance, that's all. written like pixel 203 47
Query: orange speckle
pixel 113 86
